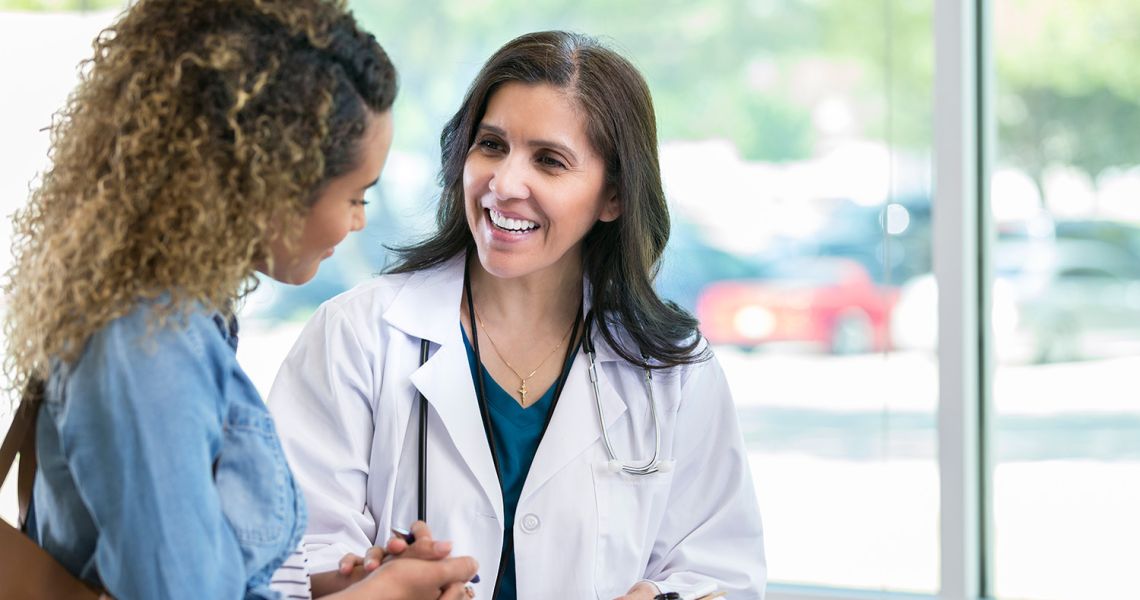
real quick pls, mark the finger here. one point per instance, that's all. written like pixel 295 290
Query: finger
pixel 428 550
pixel 372 558
pixel 440 549
pixel 421 531
pixel 347 563
pixel 460 569
pixel 395 546
pixel 458 591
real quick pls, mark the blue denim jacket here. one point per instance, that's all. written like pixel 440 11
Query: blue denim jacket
pixel 160 471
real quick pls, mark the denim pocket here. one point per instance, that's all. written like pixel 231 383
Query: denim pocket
pixel 252 478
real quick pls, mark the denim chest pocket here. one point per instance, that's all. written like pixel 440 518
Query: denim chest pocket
pixel 630 508
pixel 252 478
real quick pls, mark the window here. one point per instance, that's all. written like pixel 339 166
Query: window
pixel 798 144
pixel 1066 297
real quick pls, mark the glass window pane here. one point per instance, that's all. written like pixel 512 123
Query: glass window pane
pixel 1066 300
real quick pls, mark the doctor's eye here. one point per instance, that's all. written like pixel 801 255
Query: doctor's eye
pixel 550 161
pixel 489 144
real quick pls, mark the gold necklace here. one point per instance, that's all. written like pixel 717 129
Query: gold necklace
pixel 522 380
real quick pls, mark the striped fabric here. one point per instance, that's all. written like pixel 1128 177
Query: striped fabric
pixel 291 579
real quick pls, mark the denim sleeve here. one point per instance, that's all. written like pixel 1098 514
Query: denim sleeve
pixel 140 428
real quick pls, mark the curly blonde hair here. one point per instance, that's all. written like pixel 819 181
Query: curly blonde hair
pixel 199 127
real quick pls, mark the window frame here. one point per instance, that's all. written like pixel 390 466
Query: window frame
pixel 963 232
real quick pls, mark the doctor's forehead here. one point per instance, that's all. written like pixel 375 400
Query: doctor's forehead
pixel 536 113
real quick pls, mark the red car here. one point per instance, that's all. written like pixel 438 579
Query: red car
pixel 829 303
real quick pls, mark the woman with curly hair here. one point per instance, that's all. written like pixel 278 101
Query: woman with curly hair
pixel 209 139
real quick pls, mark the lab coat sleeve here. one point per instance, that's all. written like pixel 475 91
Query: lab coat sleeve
pixel 321 401
pixel 711 535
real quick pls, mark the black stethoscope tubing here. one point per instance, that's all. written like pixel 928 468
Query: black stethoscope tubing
pixel 481 396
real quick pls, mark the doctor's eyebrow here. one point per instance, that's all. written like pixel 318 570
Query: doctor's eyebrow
pixel 374 182
pixel 533 143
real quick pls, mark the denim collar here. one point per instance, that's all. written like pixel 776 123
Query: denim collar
pixel 228 329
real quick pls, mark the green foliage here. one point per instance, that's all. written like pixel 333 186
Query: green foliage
pixel 755 71
pixel 717 68
pixel 58 5
pixel 1068 83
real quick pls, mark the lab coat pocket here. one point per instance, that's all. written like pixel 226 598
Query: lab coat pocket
pixel 629 511
pixel 252 477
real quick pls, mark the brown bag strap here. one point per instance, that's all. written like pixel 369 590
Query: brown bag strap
pixel 21 440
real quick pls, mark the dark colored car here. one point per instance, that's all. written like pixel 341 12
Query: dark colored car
pixel 1065 290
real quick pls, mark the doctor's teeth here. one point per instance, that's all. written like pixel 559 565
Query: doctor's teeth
pixel 507 223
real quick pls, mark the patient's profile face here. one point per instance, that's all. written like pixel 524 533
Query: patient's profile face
pixel 338 210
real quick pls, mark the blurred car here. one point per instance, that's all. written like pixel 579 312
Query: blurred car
pixel 892 240
pixel 828 303
pixel 691 262
pixel 1070 295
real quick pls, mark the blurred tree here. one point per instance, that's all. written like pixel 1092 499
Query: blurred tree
pixel 720 68
pixel 740 69
pixel 59 5
pixel 1068 84
pixel 893 42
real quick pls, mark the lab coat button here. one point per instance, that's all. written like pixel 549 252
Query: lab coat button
pixel 530 523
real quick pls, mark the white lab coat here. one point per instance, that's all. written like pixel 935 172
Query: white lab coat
pixel 344 401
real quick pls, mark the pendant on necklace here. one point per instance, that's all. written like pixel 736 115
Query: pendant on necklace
pixel 522 391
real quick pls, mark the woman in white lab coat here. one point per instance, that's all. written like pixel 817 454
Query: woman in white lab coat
pixel 552 223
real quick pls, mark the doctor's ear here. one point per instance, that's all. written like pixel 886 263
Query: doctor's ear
pixel 611 207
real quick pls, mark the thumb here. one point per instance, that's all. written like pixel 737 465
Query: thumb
pixel 462 568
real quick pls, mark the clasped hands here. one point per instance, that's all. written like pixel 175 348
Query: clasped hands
pixel 422 570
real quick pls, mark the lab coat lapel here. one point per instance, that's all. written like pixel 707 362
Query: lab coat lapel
pixel 575 425
pixel 428 308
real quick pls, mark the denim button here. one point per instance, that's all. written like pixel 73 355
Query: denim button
pixel 530 523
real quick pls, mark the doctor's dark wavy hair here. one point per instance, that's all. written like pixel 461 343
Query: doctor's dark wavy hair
pixel 620 258
pixel 196 126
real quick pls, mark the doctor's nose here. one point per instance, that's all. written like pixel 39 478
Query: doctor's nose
pixel 509 179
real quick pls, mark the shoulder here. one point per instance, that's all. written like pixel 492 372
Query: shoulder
pixel 700 356
pixel 703 364
pixel 145 360
pixel 152 328
pixel 363 307
pixel 376 294
pixel 370 302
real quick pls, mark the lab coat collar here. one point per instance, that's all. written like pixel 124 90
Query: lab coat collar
pixel 421 306
pixel 427 307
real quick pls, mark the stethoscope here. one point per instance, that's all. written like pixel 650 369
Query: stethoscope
pixel 614 464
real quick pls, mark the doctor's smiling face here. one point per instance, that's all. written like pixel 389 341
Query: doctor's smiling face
pixel 533 184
